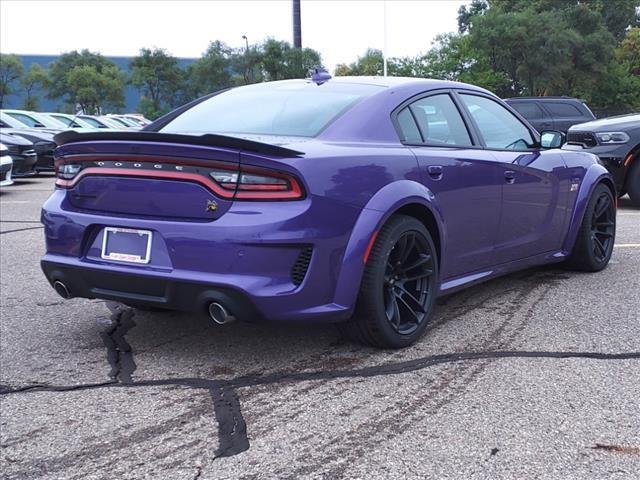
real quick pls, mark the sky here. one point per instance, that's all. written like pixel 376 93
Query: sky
pixel 339 29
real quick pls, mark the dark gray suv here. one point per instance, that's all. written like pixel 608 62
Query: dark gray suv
pixel 616 140
pixel 552 113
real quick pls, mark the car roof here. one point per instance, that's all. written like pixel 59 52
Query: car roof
pixel 385 82
pixel 544 99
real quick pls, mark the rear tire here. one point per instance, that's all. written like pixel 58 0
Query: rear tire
pixel 632 184
pixel 594 243
pixel 398 287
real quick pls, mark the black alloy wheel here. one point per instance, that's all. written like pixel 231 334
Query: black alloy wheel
pixel 603 227
pixel 406 286
pixel 399 286
pixel 595 239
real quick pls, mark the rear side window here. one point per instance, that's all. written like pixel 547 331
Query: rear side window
pixel 528 110
pixel 439 121
pixel 558 109
pixel 408 127
pixel 500 128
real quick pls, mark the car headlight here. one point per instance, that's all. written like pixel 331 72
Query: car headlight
pixel 607 138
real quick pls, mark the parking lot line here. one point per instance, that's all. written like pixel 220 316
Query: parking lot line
pixel 627 245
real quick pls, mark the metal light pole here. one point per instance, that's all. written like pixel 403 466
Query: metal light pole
pixel 248 73
pixel 297 27
pixel 384 47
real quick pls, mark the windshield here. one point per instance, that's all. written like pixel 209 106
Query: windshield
pixel 94 123
pixel 288 109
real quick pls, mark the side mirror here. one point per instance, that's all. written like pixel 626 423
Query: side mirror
pixel 38 125
pixel 551 139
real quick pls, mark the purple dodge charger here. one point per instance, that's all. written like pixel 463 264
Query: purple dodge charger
pixel 354 200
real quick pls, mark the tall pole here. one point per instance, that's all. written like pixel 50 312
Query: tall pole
pixel 384 28
pixel 297 27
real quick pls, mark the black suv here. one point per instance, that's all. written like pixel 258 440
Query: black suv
pixel 616 140
pixel 552 113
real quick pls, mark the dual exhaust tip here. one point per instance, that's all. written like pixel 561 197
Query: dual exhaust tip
pixel 217 312
pixel 62 289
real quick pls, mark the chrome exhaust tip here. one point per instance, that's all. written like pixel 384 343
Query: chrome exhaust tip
pixel 62 289
pixel 219 314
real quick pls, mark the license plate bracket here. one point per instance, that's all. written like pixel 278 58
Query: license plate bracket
pixel 127 245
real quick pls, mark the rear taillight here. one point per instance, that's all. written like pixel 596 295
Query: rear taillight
pixel 68 171
pixel 258 184
pixel 231 182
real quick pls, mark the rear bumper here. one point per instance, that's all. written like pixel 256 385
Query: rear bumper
pixel 244 260
pixel 148 291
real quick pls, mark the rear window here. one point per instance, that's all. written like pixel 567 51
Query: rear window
pixel 287 109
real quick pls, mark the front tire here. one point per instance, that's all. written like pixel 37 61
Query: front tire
pixel 594 243
pixel 398 288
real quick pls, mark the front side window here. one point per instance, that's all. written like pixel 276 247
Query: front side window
pixel 499 128
pixel 439 121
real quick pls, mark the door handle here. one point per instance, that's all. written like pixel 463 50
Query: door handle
pixel 510 176
pixel 435 171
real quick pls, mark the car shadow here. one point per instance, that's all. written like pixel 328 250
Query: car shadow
pixel 205 348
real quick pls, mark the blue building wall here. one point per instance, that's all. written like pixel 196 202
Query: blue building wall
pixel 131 94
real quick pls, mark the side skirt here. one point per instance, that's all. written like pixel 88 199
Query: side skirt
pixel 455 284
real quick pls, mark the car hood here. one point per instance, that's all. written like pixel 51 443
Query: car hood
pixel 621 122
pixel 9 139
pixel 29 133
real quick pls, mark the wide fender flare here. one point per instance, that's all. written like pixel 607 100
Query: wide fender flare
pixel 595 175
pixel 373 216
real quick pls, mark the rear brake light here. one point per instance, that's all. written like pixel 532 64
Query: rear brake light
pixel 251 183
pixel 68 171
pixel 258 184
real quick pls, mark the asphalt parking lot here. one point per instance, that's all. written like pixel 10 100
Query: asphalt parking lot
pixel 534 375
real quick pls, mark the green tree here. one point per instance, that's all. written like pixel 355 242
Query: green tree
pixel 105 90
pixel 280 61
pixel 371 63
pixel 628 52
pixel 89 87
pixel 248 62
pixel 33 82
pixel 157 75
pixel 10 71
pixel 210 72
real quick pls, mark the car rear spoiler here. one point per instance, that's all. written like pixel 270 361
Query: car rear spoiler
pixel 208 140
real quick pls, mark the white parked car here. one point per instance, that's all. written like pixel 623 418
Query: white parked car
pixel 34 120
pixel 6 165
pixel 71 121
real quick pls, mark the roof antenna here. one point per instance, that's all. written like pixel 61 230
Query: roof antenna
pixel 319 75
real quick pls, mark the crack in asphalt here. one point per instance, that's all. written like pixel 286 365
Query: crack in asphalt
pixel 119 352
pixel 232 429
pixel 20 230
pixel 227 410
